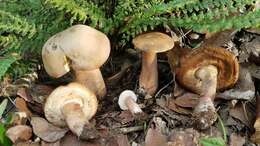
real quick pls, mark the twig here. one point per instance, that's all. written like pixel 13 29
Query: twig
pixel 157 94
pixel 126 130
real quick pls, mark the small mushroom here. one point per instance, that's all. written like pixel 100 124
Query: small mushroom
pixel 256 136
pixel 127 101
pixel 84 49
pixel 204 71
pixel 73 105
pixel 150 44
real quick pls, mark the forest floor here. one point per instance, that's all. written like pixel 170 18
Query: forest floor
pixel 168 120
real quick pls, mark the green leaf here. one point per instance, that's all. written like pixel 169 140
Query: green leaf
pixel 3 107
pixel 4 140
pixel 5 64
pixel 215 141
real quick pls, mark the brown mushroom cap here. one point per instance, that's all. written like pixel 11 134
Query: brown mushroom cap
pixel 73 92
pixel 223 60
pixel 84 47
pixel 153 42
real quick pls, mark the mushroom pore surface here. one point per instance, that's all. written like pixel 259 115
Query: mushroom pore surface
pixel 72 93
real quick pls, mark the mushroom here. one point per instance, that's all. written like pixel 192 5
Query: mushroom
pixel 84 49
pixel 127 101
pixel 73 105
pixel 256 136
pixel 204 71
pixel 150 44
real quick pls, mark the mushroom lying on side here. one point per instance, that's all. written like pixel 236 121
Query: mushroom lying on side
pixel 83 48
pixel 72 105
pixel 150 44
pixel 127 101
pixel 256 136
pixel 204 71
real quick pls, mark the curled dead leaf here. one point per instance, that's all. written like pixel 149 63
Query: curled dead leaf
pixel 22 106
pixel 19 133
pixel 47 131
pixel 189 100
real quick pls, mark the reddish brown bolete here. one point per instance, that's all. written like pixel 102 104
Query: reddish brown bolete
pixel 73 105
pixel 150 44
pixel 204 71
pixel 256 136
pixel 83 48
pixel 127 101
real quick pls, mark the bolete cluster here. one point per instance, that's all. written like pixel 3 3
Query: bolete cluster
pixel 150 44
pixel 72 105
pixel 82 48
pixel 204 71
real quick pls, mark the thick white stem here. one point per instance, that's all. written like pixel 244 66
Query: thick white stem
pixel 93 80
pixel 74 117
pixel 133 107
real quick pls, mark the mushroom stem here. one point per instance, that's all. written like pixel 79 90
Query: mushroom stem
pixel 93 80
pixel 133 107
pixel 74 116
pixel 149 75
pixel 205 112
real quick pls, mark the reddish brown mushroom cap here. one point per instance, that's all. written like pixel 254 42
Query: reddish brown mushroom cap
pixel 225 62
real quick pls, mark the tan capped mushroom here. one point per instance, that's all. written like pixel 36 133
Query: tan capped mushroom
pixel 204 71
pixel 150 44
pixel 82 48
pixel 72 105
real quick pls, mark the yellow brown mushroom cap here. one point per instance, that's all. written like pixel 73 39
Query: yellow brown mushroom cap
pixel 73 92
pixel 223 60
pixel 153 42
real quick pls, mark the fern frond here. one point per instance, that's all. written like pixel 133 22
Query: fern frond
pixel 5 63
pixel 15 24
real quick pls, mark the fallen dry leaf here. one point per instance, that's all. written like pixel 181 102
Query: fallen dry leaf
pixel 125 117
pixel 47 131
pixel 39 93
pixel 155 138
pixel 27 144
pixel 22 92
pixel 72 140
pixel 244 88
pixel 171 105
pixel 187 100
pixel 57 143
pixel 19 133
pixel 236 140
pixel 187 137
pixel 243 113
pixel 22 106
pixel 122 140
